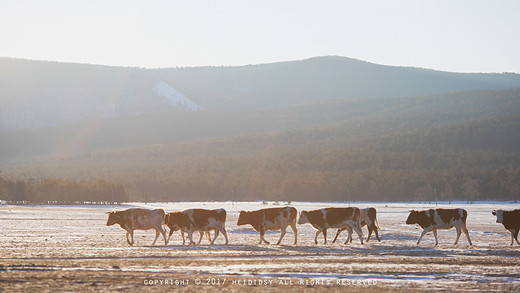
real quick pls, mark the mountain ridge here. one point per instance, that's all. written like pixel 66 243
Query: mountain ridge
pixel 43 93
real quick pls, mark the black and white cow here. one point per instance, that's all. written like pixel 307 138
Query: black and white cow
pixel 511 221
pixel 435 219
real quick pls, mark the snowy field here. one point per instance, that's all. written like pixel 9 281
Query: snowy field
pixel 70 248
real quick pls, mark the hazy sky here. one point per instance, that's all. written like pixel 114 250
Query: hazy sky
pixel 451 35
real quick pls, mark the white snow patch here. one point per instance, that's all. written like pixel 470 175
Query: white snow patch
pixel 46 233
pixel 174 97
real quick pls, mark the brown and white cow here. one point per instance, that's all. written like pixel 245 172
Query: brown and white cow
pixel 323 219
pixel 270 219
pixel 435 219
pixel 511 221
pixel 368 217
pixel 197 220
pixel 138 219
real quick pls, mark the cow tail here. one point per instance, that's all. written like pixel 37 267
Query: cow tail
pixel 376 223
pixel 373 212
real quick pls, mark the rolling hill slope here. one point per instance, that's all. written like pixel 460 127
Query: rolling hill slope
pixel 37 94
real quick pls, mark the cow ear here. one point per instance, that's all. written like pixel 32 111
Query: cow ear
pixel 411 211
pixel 108 213
pixel 494 212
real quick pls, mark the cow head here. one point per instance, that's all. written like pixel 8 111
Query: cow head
pixel 303 218
pixel 243 218
pixel 500 215
pixel 418 217
pixel 171 220
pixel 412 217
pixel 113 218
pixel 166 219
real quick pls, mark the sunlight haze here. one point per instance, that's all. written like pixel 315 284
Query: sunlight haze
pixel 459 36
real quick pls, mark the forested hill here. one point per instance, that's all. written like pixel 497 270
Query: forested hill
pixel 332 77
pixel 35 94
pixel 461 145
pixel 349 120
pixel 326 128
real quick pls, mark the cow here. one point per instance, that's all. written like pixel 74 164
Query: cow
pixel 138 219
pixel 434 219
pixel 368 218
pixel 511 221
pixel 270 219
pixel 197 220
pixel 323 219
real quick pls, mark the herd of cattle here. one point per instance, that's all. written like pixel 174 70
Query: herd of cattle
pixel 350 219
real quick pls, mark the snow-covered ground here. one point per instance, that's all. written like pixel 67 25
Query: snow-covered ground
pixel 40 240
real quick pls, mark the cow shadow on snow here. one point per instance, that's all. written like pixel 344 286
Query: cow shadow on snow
pixel 217 247
pixel 380 249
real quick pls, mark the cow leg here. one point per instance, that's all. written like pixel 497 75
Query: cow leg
pixel 377 233
pixel 183 241
pixel 216 235
pixel 170 235
pixel 190 237
pixel 262 233
pixel 370 229
pixel 426 230
pixel 208 235
pixel 359 233
pixel 514 234
pixel 157 233
pixel 316 237
pixel 458 235
pixel 201 234
pixel 465 230
pixel 324 236
pixel 435 235
pixel 295 231
pixel 163 232
pixel 349 237
pixel 337 234
pixel 131 234
pixel 282 234
pixel 223 231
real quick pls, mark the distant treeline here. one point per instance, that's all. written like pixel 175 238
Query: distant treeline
pixel 61 191
pixel 470 161
pixel 462 146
